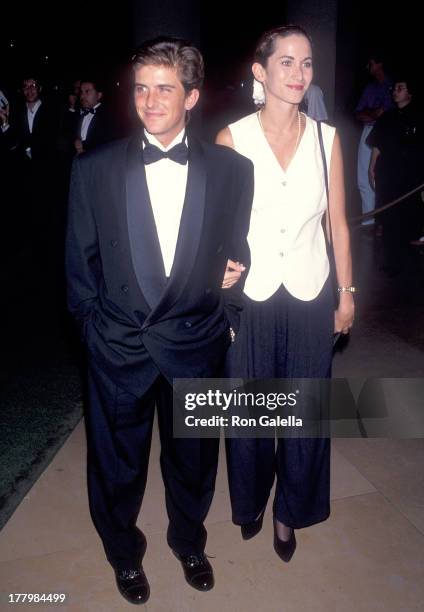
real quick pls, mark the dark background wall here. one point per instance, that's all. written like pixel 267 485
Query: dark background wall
pixel 319 19
pixel 168 18
pixel 62 40
pixel 395 31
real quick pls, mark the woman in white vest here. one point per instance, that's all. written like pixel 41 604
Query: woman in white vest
pixel 289 318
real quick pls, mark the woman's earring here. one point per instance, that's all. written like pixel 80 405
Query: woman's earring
pixel 258 94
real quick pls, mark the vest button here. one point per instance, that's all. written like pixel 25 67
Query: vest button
pixel 114 243
pixel 124 288
pixel 187 324
pixel 208 291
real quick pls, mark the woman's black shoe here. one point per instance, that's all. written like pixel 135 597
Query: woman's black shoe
pixel 249 530
pixel 284 549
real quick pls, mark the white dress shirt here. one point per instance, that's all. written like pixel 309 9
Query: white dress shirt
pixel 166 182
pixel 87 119
pixel 31 112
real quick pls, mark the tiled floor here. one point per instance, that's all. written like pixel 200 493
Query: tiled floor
pixel 368 556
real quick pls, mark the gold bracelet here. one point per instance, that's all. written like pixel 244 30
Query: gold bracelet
pixel 351 289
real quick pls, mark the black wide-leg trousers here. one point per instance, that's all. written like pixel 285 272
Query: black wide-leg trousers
pixel 282 337
pixel 119 430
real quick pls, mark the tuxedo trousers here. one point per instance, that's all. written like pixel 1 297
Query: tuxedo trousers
pixel 119 431
pixel 282 337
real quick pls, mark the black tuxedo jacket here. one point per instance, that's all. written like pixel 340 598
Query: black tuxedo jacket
pixel 136 322
pixel 100 131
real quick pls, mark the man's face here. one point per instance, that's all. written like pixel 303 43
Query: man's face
pixel 89 96
pixel 31 90
pixel 373 66
pixel 161 101
pixel 401 95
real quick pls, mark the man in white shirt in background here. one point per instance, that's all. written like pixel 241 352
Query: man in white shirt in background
pixel 32 128
pixel 30 134
pixel 95 125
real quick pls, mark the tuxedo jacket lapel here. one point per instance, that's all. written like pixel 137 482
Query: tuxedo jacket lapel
pixel 189 232
pixel 94 127
pixel 38 118
pixel 143 238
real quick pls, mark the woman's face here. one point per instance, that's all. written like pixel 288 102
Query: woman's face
pixel 288 72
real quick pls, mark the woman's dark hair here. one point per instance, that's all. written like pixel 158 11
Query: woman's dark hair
pixel 266 44
pixel 175 53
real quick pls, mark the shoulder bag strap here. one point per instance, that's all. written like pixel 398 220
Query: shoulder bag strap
pixel 328 239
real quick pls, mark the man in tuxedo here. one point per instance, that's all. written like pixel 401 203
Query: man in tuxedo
pixel 31 139
pixel 152 222
pixel 33 127
pixel 95 125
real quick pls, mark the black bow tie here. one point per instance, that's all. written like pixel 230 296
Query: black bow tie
pixel 178 153
pixel 88 111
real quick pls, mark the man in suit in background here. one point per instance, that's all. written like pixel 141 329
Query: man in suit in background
pixel 152 222
pixel 95 125
pixel 31 139
pixel 33 127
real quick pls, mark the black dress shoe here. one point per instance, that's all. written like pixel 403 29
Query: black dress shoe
pixel 284 549
pixel 249 530
pixel 133 585
pixel 197 571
